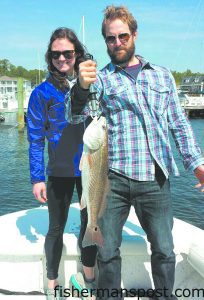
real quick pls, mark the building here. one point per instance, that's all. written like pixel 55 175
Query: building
pixel 193 84
pixel 8 93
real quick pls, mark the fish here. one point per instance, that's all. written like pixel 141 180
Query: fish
pixel 94 174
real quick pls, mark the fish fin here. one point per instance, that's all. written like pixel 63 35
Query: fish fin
pixel 93 236
pixel 82 202
pixel 90 160
pixel 81 162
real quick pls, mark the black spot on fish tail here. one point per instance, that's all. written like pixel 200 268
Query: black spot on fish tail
pixel 92 236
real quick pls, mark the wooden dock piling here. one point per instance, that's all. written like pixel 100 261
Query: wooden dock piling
pixel 20 97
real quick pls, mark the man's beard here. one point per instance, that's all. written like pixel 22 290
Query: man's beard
pixel 123 59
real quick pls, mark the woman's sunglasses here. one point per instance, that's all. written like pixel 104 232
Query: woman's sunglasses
pixel 68 54
pixel 123 37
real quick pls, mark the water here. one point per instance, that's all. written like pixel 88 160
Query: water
pixel 16 190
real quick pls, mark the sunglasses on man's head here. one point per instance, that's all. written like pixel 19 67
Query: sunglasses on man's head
pixel 123 37
pixel 68 54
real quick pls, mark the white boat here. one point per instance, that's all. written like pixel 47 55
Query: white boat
pixel 9 102
pixel 191 101
pixel 22 260
pixel 8 93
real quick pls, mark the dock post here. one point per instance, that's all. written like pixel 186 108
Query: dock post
pixel 20 97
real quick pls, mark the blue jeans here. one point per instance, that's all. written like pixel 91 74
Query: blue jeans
pixel 152 204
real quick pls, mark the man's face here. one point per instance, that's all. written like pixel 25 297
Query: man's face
pixel 120 42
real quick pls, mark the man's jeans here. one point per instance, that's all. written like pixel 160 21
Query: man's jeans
pixel 152 204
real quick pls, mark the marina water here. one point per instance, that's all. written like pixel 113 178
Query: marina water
pixel 16 190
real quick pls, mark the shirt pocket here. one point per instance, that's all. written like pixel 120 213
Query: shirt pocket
pixel 158 98
pixel 116 98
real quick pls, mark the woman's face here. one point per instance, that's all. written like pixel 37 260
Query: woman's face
pixel 63 62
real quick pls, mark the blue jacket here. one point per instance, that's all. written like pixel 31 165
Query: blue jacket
pixel 46 120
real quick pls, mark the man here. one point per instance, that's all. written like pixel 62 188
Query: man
pixel 140 102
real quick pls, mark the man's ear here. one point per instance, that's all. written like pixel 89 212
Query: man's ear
pixel 135 35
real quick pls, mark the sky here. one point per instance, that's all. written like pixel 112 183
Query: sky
pixel 170 32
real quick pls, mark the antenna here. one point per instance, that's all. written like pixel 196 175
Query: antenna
pixel 38 57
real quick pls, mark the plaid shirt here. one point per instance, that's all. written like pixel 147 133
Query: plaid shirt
pixel 139 114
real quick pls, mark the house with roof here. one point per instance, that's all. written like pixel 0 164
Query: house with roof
pixel 193 84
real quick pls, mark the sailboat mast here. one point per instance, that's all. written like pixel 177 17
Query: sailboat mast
pixel 83 31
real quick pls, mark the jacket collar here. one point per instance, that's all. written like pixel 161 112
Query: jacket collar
pixel 57 85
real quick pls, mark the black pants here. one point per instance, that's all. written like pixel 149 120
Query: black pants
pixel 59 192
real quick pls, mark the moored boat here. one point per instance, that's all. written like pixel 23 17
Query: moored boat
pixel 193 104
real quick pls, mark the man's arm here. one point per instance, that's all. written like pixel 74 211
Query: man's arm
pixel 80 92
pixel 77 97
pixel 182 131
pixel 184 137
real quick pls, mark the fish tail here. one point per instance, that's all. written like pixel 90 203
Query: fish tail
pixel 83 203
pixel 92 236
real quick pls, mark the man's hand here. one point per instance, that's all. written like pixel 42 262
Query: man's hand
pixel 39 191
pixel 87 73
pixel 199 173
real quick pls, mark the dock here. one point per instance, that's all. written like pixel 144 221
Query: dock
pixel 193 112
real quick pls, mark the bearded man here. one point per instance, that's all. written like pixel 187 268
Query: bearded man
pixel 140 102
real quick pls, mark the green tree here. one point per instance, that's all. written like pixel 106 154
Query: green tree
pixel 4 66
pixel 35 76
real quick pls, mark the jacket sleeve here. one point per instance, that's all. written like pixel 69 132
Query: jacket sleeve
pixel 77 105
pixel 36 117
pixel 182 131
pixel 79 98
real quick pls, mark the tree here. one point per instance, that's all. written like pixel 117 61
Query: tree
pixel 5 66
pixel 35 77
pixel 7 69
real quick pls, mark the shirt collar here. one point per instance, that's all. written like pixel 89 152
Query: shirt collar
pixel 145 65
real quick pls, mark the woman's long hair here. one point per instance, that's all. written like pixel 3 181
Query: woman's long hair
pixel 80 50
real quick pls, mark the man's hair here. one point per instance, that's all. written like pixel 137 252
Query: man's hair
pixel 118 12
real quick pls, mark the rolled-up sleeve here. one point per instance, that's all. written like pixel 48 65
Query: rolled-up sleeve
pixel 182 131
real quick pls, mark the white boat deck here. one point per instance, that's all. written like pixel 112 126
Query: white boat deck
pixel 22 260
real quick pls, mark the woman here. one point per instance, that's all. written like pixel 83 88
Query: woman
pixel 46 119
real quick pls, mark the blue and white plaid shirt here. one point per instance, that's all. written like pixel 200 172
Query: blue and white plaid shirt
pixel 139 114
